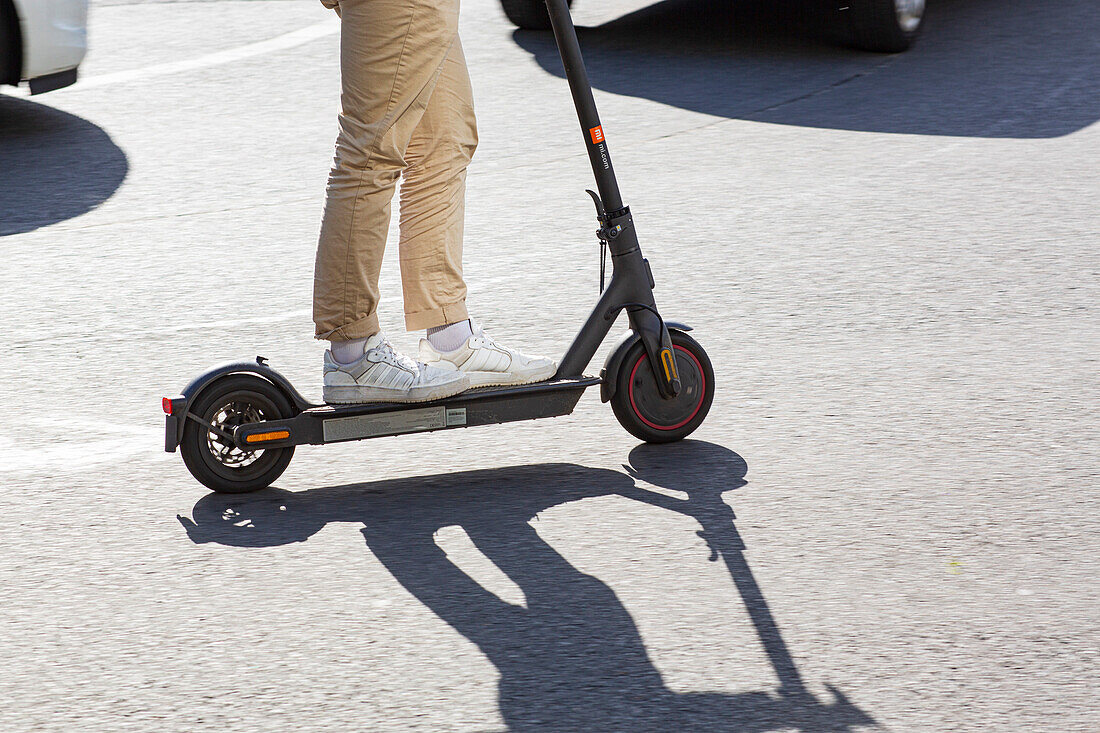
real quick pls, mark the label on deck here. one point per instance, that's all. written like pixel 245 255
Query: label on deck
pixel 392 423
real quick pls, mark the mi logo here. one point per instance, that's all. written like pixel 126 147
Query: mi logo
pixel 668 361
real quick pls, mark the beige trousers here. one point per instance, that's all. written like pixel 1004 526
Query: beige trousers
pixel 406 112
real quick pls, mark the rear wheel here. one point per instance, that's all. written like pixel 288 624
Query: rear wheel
pixel 212 457
pixel 528 14
pixel 886 26
pixel 642 410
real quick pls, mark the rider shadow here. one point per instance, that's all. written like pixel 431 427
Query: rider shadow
pixel 572 658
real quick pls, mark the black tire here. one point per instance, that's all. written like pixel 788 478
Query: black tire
pixel 640 408
pixel 885 26
pixel 530 15
pixel 241 398
pixel 11 46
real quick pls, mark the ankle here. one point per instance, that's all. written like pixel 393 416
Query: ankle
pixel 450 337
pixel 346 352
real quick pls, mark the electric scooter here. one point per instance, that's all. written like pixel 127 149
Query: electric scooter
pixel 237 424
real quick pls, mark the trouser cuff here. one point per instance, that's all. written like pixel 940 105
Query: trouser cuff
pixel 360 329
pixel 442 316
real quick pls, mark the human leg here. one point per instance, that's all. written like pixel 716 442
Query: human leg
pixel 392 53
pixel 433 191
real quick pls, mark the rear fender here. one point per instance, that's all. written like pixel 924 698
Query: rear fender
pixel 174 422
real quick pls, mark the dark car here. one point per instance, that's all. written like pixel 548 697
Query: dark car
pixel 886 26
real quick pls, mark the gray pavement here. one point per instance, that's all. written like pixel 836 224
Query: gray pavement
pixel 889 520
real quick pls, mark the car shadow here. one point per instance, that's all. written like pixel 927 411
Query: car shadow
pixel 53 165
pixel 572 658
pixel 982 68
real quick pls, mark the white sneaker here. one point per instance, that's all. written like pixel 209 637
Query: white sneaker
pixel 487 363
pixel 383 375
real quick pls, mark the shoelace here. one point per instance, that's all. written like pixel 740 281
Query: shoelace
pixel 489 340
pixel 387 348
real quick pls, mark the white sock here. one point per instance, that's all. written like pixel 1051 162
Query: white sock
pixel 346 352
pixel 449 338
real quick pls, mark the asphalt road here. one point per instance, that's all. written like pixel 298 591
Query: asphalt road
pixel 889 520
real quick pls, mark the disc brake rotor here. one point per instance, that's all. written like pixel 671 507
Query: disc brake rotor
pixel 227 418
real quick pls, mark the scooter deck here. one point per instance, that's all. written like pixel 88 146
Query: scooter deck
pixel 484 406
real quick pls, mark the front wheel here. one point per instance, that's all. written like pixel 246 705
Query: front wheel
pixel 642 410
pixel 212 457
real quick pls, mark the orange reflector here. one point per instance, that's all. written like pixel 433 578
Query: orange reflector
pixel 264 437
pixel 166 404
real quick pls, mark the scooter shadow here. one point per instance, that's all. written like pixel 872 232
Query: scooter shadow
pixel 573 658
pixel 982 68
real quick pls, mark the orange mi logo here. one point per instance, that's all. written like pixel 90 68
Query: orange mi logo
pixel 597 134
pixel 669 363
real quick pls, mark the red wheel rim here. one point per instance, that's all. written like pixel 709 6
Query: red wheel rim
pixel 698 405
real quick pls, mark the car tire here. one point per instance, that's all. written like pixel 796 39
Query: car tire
pixel 530 15
pixel 885 26
pixel 11 47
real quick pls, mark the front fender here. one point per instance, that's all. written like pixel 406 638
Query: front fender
pixel 610 371
pixel 174 422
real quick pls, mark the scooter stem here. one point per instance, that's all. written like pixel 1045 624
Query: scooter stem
pixel 566 36
pixel 631 287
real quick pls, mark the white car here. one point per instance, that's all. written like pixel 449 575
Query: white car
pixel 42 42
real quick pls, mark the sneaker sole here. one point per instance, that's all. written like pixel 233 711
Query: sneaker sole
pixel 507 379
pixel 349 395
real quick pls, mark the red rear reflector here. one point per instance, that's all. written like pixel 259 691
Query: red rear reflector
pixel 166 404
